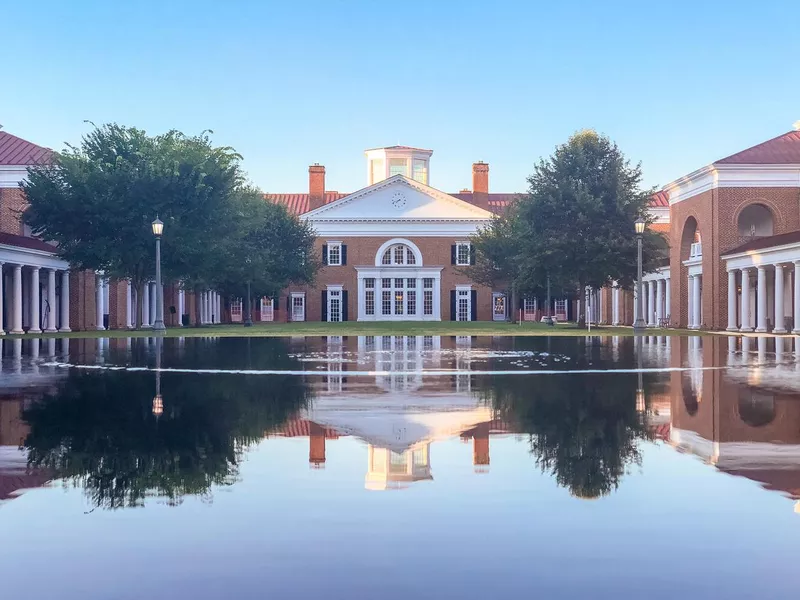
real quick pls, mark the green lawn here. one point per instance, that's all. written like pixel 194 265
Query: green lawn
pixel 356 328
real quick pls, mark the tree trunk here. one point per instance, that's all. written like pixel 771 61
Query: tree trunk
pixel 514 302
pixel 582 312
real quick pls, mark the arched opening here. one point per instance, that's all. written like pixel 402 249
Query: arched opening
pixel 691 246
pixel 755 407
pixel 691 399
pixel 755 221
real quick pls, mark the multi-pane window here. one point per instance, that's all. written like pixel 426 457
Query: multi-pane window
pixel 463 252
pixel 334 306
pixel 386 296
pixel 369 296
pixel 334 253
pixel 463 312
pixel 420 171
pixel 411 296
pixel 427 296
pixel 267 313
pixel 529 309
pixel 399 254
pixel 398 166
pixel 236 309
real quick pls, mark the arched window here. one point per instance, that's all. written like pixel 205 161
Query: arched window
pixel 756 408
pixel 755 221
pixel 398 254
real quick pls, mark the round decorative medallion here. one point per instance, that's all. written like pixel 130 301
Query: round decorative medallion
pixel 398 199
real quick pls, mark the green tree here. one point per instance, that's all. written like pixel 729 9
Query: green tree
pixel 575 224
pixel 97 201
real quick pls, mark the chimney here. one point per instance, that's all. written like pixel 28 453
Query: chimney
pixel 480 184
pixel 316 186
pixel 316 445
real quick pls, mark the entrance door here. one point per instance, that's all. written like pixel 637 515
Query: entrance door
pixel 334 305
pixel 498 306
pixel 463 308
pixel 298 307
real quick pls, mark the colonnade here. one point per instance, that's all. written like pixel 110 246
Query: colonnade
pixel 748 293
pixel 27 303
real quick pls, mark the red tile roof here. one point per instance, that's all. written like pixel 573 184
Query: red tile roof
pixel 25 242
pixel 782 150
pixel 298 203
pixel 792 237
pixel 16 151
pixel 659 200
pixel 497 202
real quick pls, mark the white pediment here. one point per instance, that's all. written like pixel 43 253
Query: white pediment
pixel 398 199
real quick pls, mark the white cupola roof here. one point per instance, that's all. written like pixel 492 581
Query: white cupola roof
pixel 383 163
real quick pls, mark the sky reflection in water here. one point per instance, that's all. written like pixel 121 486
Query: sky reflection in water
pixel 395 466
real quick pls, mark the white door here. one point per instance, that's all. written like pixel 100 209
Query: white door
pixel 298 307
pixel 267 313
pixel 334 306
pixel 498 306
pixel 463 308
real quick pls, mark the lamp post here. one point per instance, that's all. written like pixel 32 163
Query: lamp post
pixel 158 325
pixel 158 400
pixel 248 319
pixel 549 318
pixel 639 324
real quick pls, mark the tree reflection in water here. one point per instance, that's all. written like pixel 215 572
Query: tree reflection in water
pixel 583 429
pixel 98 430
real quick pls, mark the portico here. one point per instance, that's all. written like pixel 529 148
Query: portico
pixel 657 296
pixel 31 299
pixel 764 286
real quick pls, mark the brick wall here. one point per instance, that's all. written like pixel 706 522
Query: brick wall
pixel 12 203
pixel 82 305
pixel 716 213
pixel 361 252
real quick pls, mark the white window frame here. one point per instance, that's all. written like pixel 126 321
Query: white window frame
pixel 460 245
pixel 334 292
pixel 237 310
pixel 338 247
pixel 418 275
pixel 267 311
pixel 461 292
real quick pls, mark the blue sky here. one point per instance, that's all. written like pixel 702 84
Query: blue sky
pixel 677 84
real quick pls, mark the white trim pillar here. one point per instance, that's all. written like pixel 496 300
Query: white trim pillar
pixel 153 302
pixel 2 298
pixel 780 317
pixel 732 321
pixel 145 302
pixel 651 301
pixel 181 305
pixel 689 293
pixel 761 299
pixel 746 301
pixel 35 299
pixel 659 301
pixel 65 302
pixel 667 300
pixel 219 308
pixel 98 294
pixel 615 305
pixel 16 319
pixel 796 327
pixel 51 301
pixel 202 308
pixel 129 310
pixel 697 300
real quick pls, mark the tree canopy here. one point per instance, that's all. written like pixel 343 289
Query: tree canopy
pixel 97 201
pixel 575 224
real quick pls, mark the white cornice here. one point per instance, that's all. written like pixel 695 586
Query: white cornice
pixel 398 228
pixel 480 214
pixel 732 176
pixel 28 257
pixel 12 175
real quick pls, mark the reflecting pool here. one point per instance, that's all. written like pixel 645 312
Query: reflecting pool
pixel 395 467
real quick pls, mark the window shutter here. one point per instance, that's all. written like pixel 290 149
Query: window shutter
pixel 453 254
pixel 344 255
pixel 274 303
pixel 473 305
pixel 521 303
pixel 325 254
pixel 305 309
pixel 453 304
pixel 288 305
pixel 344 302
pixel 472 255
pixel 324 315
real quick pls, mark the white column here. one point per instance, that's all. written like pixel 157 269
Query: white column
pixel 746 301
pixel 202 308
pixel 51 301
pixel 780 318
pixel 732 324
pixel 16 320
pixel 214 315
pixel 219 308
pixel 208 307
pixel 761 299
pixel 615 305
pixel 153 301
pixel 651 303
pixel 98 287
pixel 796 327
pixel 2 331
pixel 65 302
pixel 129 311
pixel 659 301
pixel 181 305
pixel 689 293
pixel 696 301
pixel 35 302
pixel 667 300
pixel 145 302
